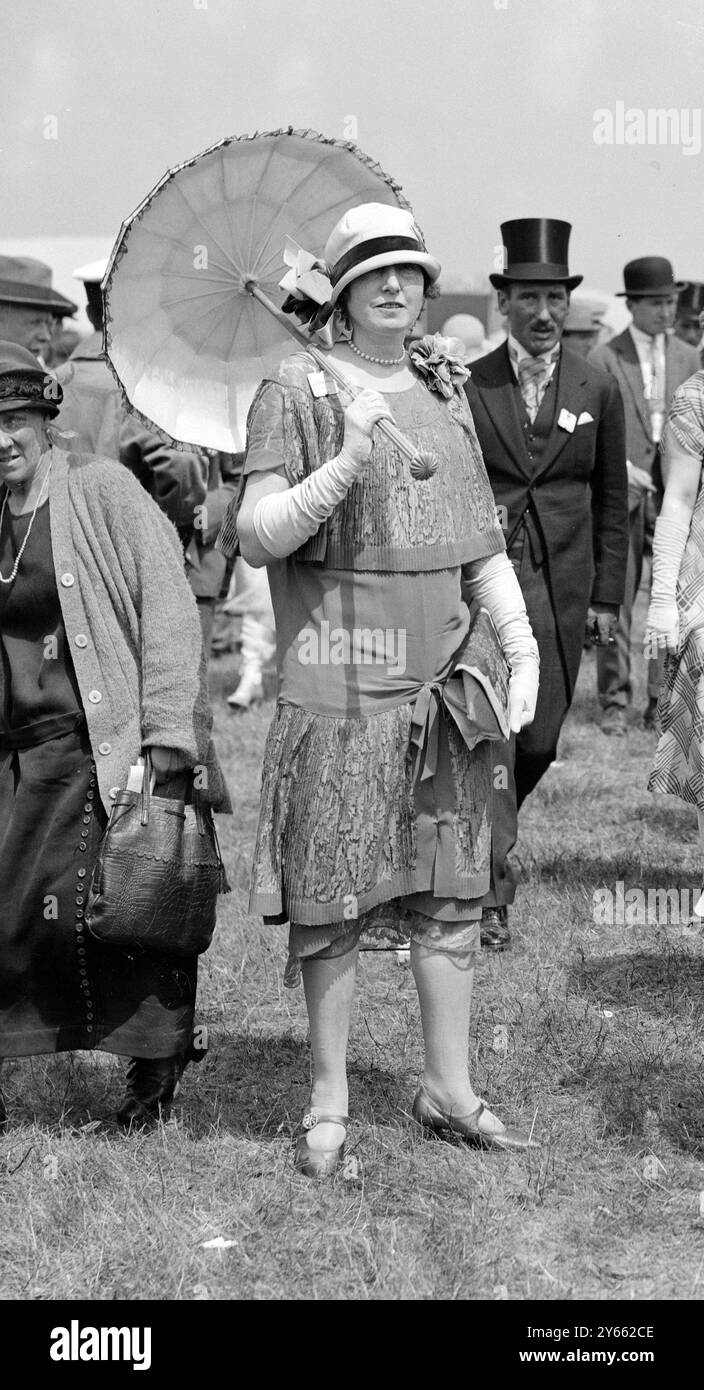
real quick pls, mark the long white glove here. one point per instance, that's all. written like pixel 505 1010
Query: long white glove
pixel 662 628
pixel 282 521
pixel 493 583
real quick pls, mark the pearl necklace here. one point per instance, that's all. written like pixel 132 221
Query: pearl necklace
pixel 380 361
pixel 21 550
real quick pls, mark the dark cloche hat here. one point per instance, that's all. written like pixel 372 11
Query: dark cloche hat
pixel 23 383
pixel 535 248
pixel 25 281
pixel 691 301
pixel 649 275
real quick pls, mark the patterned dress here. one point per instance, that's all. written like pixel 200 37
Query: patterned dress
pixel 376 800
pixel 679 757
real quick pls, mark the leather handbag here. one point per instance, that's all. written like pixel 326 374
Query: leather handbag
pixel 158 874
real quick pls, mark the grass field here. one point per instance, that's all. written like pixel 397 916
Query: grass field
pixel 594 1029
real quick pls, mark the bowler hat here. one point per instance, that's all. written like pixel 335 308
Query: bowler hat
pixel 26 281
pixel 535 249
pixel 24 383
pixel 691 301
pixel 370 236
pixel 649 275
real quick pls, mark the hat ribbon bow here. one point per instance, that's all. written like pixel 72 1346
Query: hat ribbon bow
pixel 308 287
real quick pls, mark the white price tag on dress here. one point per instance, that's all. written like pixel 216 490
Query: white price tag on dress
pixel 318 385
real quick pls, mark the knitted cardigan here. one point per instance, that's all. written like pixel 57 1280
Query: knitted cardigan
pixel 131 621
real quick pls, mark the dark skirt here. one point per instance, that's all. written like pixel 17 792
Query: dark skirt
pixel 59 988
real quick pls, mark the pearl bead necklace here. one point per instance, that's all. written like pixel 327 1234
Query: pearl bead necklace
pixel 21 550
pixel 380 361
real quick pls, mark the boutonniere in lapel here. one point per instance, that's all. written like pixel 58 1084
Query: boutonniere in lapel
pixel 440 361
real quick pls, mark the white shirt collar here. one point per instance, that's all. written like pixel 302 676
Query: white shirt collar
pixel 517 352
pixel 646 340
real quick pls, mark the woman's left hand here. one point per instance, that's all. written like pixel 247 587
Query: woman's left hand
pixel 523 694
pixel 167 762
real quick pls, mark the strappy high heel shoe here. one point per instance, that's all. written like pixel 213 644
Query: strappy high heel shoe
pixel 428 1113
pixel 318 1163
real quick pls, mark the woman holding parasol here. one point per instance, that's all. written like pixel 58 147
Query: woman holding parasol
pixel 375 818
pixel 375 821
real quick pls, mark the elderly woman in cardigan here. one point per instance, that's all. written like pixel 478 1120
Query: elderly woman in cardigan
pixel 100 659
pixel 375 818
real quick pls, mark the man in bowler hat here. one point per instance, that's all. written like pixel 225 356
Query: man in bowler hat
pixel 648 362
pixel 551 430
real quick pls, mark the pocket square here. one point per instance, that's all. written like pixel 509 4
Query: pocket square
pixel 585 418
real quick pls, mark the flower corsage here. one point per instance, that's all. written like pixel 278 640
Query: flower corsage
pixel 441 361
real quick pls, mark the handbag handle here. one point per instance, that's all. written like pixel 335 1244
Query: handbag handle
pixel 146 801
pixel 146 795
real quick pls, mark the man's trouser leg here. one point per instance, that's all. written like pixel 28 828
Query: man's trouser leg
pixel 613 663
pixel 656 664
pixel 520 763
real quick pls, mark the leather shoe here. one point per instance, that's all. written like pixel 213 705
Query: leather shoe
pixel 431 1116
pixel 152 1083
pixel 613 722
pixel 494 933
pixel 318 1163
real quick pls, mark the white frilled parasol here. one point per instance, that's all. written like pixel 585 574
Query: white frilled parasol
pixel 192 291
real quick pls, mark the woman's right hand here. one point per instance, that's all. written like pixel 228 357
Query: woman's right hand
pixel 360 418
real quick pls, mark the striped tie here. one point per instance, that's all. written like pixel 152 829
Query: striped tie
pixel 533 374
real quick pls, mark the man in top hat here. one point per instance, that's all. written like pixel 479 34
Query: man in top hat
pixel 29 307
pixel 583 325
pixel 186 484
pixel 648 362
pixel 551 430
pixel 690 307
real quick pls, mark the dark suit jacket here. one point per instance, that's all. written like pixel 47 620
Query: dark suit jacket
pixel 575 497
pixel 620 358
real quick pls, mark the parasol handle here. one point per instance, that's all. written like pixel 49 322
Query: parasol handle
pixel 422 463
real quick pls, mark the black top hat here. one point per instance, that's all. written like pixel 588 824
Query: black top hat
pixel 535 248
pixel 691 301
pixel 647 276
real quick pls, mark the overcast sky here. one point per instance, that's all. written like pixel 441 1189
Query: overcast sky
pixel 482 109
